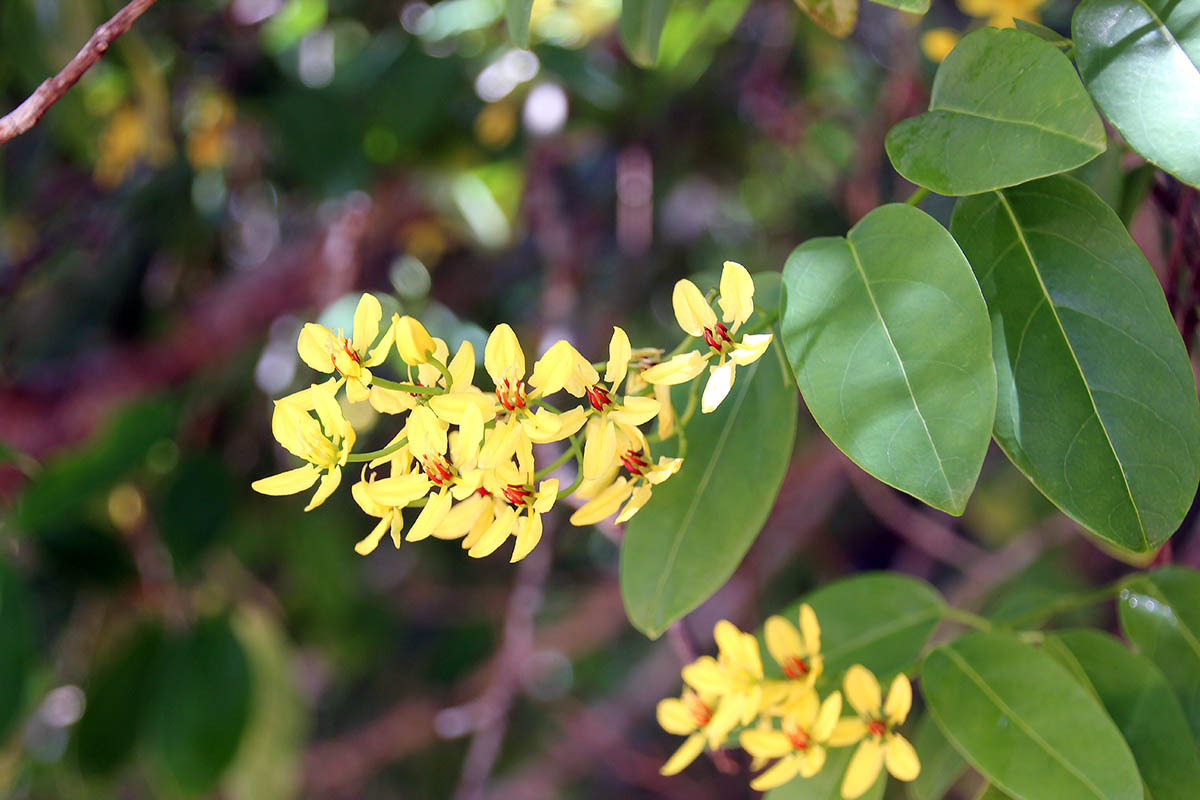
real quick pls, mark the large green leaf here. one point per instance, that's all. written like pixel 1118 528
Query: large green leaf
pixel 641 28
pixel 941 764
pixel 1006 107
pixel 881 620
pixel 888 337
pixel 911 6
pixel 117 704
pixel 516 17
pixel 16 648
pixel 826 784
pixel 1022 720
pixel 1160 613
pixel 836 16
pixel 692 534
pixel 201 705
pixel 1141 61
pixel 1138 699
pixel 1097 403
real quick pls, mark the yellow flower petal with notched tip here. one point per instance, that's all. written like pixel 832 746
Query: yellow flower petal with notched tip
pixel 737 294
pixel 692 747
pixel 290 482
pixel 503 356
pixel 413 342
pixel 862 691
pixel 677 369
pixel 863 769
pixel 462 367
pixel 692 311
pixel 901 758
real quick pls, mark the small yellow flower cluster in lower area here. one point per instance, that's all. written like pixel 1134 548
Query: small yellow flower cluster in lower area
pixel 464 455
pixel 785 725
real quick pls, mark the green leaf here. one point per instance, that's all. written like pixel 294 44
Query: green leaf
pixel 1006 107
pixel 692 534
pixel 1097 403
pixel 910 400
pixel 1140 59
pixel 1160 614
pixel 991 792
pixel 881 620
pixel 516 16
pixel 827 784
pixel 117 704
pixel 1042 32
pixel 201 706
pixel 836 16
pixel 16 648
pixel 911 6
pixel 1023 721
pixel 641 27
pixel 195 508
pixel 1136 696
pixel 941 764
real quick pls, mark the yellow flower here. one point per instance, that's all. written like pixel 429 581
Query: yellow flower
pixel 324 442
pixel 689 715
pixel 608 414
pixel 325 351
pixel 874 729
pixel 521 516
pixel 798 652
pixel 407 488
pixel 697 318
pixel 413 342
pixel 607 492
pixel 735 676
pixel 799 744
pixel 505 363
pixel 937 43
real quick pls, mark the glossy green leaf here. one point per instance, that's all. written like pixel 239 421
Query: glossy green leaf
pixel 911 6
pixel 1136 696
pixel 1140 59
pixel 117 702
pixel 826 784
pixel 881 620
pixel 941 764
pixel 1160 614
pixel 836 16
pixel 1006 107
pixel 1023 721
pixel 16 648
pixel 692 534
pixel 516 17
pixel 1097 403
pixel 201 706
pixel 1042 32
pixel 888 337
pixel 641 28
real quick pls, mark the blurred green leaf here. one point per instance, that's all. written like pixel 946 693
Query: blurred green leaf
pixel 201 706
pixel 117 702
pixel 910 403
pixel 1141 61
pixel 196 507
pixel 641 27
pixel 692 534
pixel 941 764
pixel 1137 697
pixel 1006 107
pixel 826 784
pixel 1042 32
pixel 516 16
pixel 1097 402
pixel 1160 614
pixel 16 647
pixel 1016 715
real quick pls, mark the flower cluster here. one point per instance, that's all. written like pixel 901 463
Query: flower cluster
pixel 465 455
pixel 786 726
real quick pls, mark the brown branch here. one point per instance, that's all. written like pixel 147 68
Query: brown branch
pixel 26 115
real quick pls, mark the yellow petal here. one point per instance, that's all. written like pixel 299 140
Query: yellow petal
pixel 675 717
pixel 391 401
pixel 431 516
pixel 398 490
pixel 692 747
pixel 452 407
pixel 290 482
pixel 783 641
pixel 568 422
pixel 603 505
pixel 717 388
pixel 426 435
pixel 750 349
pixel 678 369
pixel 367 503
pixel 802 713
pixel 413 342
pixel 600 447
pixel 737 294
pixel 937 43
pixel 547 493
pixel 465 449
pixel 619 354
pixel 327 408
pixel 729 713
pixel 495 535
pixel 379 352
pixel 367 545
pixel 765 743
pixel 357 388
pixel 639 498
pixel 666 411
pixel 635 410
pixel 783 771
pixel 901 758
pixel 366 323
pixel 691 309
pixel 499 444
pixel 528 536
pixel 729 640
pixel 315 346
pixel 827 719
pixel 847 731
pixel 462 517
pixel 462 367
pixel 329 483
pixel 562 367
pixel 705 675
pixel 862 690
pixel 810 629
pixel 812 761
pixel 502 356
pixel 899 700
pixel 863 769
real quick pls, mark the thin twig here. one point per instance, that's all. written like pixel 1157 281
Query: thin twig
pixel 26 115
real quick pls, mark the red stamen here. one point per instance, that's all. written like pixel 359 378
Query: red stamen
pixel 721 329
pixel 350 351
pixel 509 397
pixel 798 738
pixel 796 668
pixel 598 396
pixel 437 469
pixel 634 462
pixel 482 492
pixel 709 340
pixel 517 494
pixel 700 712
pixel 877 727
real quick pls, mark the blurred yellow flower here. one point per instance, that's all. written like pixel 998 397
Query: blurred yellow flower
pixel 799 744
pixel 325 351
pixel 874 730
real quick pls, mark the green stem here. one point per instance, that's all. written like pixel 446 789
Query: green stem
pixel 967 618
pixel 411 388
pixel 690 409
pixel 684 345
pixel 574 485
pixel 446 376
pixel 374 454
pixel 916 197
pixel 568 454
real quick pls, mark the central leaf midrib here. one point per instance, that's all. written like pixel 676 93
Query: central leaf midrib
pixel 849 645
pixel 1025 123
pixel 903 372
pixel 1020 233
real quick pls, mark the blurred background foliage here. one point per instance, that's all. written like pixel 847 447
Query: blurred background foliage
pixel 231 169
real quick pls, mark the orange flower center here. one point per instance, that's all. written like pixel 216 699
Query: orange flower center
pixel 877 727
pixel 799 738
pixel 517 494
pixel 699 710
pixel 796 668
pixel 437 469
pixel 510 395
pixel 718 338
